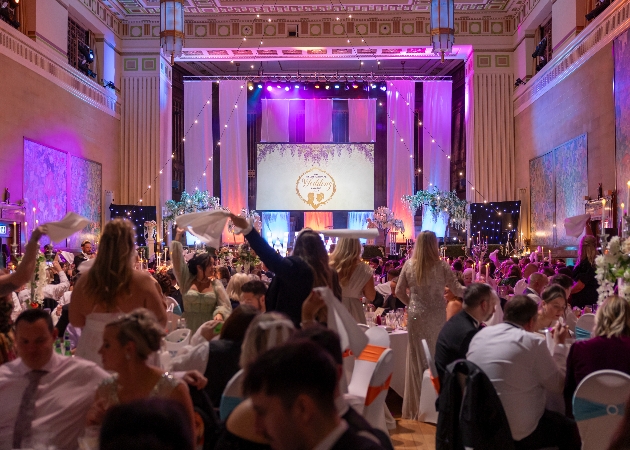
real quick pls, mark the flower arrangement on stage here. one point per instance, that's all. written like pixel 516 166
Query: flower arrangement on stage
pixel 437 201
pixel 383 218
pixel 614 267
pixel 189 203
pixel 252 216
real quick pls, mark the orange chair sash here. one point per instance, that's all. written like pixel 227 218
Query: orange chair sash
pixel 347 352
pixel 373 391
pixel 371 353
pixel 436 383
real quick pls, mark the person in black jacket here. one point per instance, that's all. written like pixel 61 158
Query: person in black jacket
pixel 296 275
pixel 292 390
pixel 480 301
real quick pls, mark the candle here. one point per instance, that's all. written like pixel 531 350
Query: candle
pixel 25 231
pixel 14 233
pixel 549 255
pixel 623 209
pixel 628 195
pixel 487 271
pixel 35 209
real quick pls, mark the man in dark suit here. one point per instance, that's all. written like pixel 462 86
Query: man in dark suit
pixel 452 344
pixel 86 253
pixel 292 390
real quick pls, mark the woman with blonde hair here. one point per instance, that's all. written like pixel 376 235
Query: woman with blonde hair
pixel 425 276
pixel 127 343
pixel 111 288
pixel 605 350
pixel 584 291
pixel 234 287
pixel 355 277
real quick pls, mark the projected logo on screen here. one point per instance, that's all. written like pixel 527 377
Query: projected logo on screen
pixel 315 187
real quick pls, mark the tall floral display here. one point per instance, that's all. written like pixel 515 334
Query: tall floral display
pixel 437 202
pixel 385 221
pixel 613 268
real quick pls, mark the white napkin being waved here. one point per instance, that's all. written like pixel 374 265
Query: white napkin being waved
pixel 575 225
pixel 66 227
pixel 207 226
pixel 340 321
pixel 370 233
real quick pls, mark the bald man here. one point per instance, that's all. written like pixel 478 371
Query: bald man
pixel 537 282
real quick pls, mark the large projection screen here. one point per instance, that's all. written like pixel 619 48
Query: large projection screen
pixel 326 177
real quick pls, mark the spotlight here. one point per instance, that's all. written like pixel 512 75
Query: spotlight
pixel 373 86
pixel 279 87
pixel 286 88
pixel 327 87
pixel 297 86
pixel 270 88
pixel 519 82
pixel 250 87
pixel 346 87
pixel 260 86
pixel 86 57
pixel 383 87
pixel 540 48
pixel 317 86
pixel 355 86
pixel 336 86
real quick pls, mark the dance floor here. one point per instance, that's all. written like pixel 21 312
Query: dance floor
pixel 409 434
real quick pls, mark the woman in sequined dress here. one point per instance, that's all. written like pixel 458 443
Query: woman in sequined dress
pixel 425 276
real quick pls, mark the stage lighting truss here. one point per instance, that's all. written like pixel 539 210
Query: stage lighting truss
pixel 321 78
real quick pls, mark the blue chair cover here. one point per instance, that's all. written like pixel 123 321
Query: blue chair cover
pixel 227 406
pixel 581 334
pixel 585 409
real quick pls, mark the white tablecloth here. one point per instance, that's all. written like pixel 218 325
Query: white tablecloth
pixel 398 341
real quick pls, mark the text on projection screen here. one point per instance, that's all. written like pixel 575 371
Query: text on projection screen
pixel 315 177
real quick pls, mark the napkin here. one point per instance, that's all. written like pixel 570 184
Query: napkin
pixel 69 257
pixel 340 321
pixel 66 227
pixel 575 225
pixel 207 226
pixel 370 233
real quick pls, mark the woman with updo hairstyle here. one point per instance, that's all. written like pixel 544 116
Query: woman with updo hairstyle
pixel 552 307
pixel 608 349
pixel 127 343
pixel 203 295
pixel 296 275
pixel 112 287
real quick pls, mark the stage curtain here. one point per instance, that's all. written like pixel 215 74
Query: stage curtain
pixel 357 220
pixel 275 121
pixel 275 224
pixel 318 220
pixel 318 120
pixel 362 120
pixel 198 146
pixel 233 147
pixel 400 166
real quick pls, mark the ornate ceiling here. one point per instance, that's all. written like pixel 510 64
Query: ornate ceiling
pixel 140 7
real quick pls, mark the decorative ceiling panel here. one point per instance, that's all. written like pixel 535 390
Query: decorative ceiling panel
pixel 199 7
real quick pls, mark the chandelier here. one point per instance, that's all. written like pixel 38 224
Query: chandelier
pixel 442 26
pixel 172 28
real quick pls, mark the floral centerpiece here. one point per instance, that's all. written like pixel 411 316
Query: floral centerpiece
pixel 613 267
pixel 150 227
pixel 38 282
pixel 437 201
pixel 245 258
pixel 225 256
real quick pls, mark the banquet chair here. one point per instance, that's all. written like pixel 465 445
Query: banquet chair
pixel 598 406
pixel 370 381
pixel 232 395
pixel 378 336
pixel 584 327
pixel 430 389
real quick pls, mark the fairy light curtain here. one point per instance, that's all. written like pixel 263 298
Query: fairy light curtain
pixel 198 144
pixel 233 147
pixel 400 166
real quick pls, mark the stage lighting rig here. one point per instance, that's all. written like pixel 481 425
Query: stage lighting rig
pixel 540 48
pixel 518 82
pixel 8 12
pixel 86 57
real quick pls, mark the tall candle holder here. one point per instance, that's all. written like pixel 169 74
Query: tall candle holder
pixel 479 251
pixel 603 242
pixel 626 226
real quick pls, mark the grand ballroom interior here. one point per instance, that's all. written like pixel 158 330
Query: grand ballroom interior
pixel 324 114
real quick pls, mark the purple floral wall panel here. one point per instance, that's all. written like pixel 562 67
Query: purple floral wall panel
pixel 85 198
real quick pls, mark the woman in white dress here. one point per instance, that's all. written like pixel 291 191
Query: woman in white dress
pixel 426 276
pixel 355 277
pixel 112 288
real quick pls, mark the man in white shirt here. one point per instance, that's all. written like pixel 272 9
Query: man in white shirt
pixel 292 391
pixel 522 370
pixel 45 396
pixel 54 291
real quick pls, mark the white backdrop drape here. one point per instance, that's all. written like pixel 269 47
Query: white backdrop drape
pixel 276 223
pixel 362 120
pixel 233 147
pixel 318 120
pixel 198 144
pixel 437 116
pixel 400 166
pixel 357 220
pixel 275 120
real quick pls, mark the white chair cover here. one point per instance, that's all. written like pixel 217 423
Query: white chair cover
pixel 584 327
pixel 598 406
pixel 428 395
pixel 232 395
pixel 378 336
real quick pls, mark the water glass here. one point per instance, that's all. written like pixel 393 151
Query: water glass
pixel 181 323
pixel 369 318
